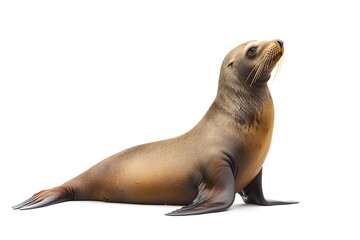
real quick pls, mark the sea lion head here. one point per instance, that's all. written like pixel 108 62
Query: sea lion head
pixel 252 62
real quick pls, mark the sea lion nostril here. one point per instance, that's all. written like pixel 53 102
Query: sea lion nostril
pixel 281 43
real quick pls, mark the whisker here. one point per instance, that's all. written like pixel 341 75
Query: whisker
pixel 259 70
pixel 266 63
pixel 256 72
pixel 278 67
pixel 254 69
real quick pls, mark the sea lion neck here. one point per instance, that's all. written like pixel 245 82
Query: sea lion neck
pixel 241 101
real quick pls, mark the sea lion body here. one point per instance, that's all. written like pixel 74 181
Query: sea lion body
pixel 176 166
pixel 203 168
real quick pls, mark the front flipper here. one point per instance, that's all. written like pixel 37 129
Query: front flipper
pixel 253 193
pixel 215 193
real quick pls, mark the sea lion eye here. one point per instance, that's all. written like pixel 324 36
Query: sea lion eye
pixel 251 51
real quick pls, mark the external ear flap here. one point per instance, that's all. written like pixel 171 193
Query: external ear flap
pixel 231 62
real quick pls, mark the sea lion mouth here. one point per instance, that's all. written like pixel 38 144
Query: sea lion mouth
pixel 267 62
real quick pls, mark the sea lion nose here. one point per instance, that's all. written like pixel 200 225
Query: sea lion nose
pixel 280 42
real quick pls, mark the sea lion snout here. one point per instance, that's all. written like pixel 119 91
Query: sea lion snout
pixel 281 43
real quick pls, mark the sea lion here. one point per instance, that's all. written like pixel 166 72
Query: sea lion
pixel 203 168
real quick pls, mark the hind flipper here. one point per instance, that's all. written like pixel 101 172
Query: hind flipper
pixel 46 198
pixel 253 193
pixel 210 198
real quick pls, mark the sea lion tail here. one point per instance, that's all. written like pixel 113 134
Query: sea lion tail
pixel 46 198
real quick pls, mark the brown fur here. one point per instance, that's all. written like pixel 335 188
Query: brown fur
pixel 206 166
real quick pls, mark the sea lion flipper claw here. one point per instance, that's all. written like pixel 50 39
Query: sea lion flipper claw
pixel 253 193
pixel 211 198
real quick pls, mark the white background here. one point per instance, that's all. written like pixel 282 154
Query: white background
pixel 82 80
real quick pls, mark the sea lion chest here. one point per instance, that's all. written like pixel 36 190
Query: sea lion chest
pixel 251 145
